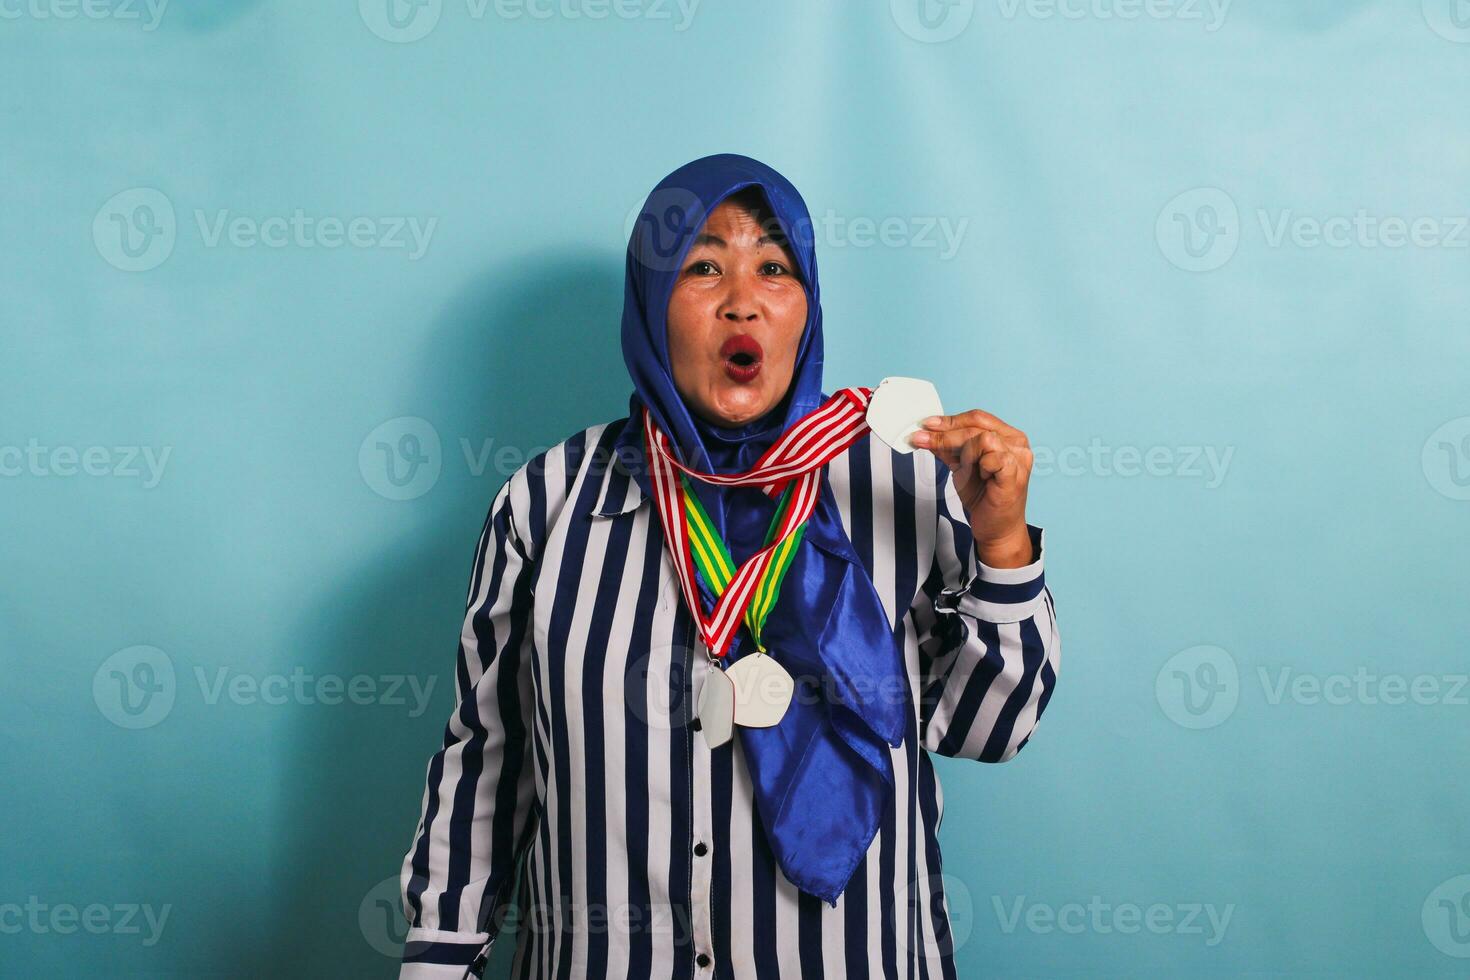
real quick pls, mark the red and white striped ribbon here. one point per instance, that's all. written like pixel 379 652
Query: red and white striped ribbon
pixel 799 454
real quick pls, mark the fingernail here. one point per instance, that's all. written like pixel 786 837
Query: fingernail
pixel 932 420
pixel 919 439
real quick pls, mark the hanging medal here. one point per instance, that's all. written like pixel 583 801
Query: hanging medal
pixel 717 707
pixel 755 691
pixel 760 686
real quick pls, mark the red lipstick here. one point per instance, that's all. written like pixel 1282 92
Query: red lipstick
pixel 743 356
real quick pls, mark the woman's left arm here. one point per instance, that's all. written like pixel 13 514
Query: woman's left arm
pixel 988 641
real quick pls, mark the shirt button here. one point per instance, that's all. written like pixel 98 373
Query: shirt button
pixel 702 959
pixel 700 849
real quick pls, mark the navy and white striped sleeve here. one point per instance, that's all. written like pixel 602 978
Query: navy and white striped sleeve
pixel 988 644
pixel 481 788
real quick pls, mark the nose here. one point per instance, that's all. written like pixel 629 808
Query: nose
pixel 739 304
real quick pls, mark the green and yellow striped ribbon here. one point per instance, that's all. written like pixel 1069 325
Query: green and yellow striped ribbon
pixel 713 559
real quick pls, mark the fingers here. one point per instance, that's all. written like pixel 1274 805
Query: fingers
pixel 979 448
pixel 973 419
pixel 993 456
pixel 994 462
pixel 938 440
pixel 970 448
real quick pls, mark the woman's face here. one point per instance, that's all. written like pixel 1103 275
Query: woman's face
pixel 735 318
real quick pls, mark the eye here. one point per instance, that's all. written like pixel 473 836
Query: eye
pixel 701 267
pixel 774 268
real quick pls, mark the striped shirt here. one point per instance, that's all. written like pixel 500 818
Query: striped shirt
pixel 573 799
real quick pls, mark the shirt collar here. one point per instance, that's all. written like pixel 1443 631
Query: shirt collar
pixel 626 485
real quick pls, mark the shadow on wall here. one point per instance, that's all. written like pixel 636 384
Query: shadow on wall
pixel 527 355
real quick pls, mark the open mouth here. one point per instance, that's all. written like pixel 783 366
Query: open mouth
pixel 743 356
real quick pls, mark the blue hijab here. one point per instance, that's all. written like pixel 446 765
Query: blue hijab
pixel 822 778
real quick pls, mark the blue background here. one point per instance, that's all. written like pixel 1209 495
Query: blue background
pixel 1134 276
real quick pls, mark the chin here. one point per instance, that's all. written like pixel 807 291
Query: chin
pixel 738 414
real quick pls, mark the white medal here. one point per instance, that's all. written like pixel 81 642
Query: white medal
pixel 763 690
pixel 717 707
pixel 896 408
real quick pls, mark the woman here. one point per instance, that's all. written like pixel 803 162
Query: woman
pixel 900 593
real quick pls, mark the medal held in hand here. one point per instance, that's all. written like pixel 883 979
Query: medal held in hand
pixel 898 406
pixel 755 691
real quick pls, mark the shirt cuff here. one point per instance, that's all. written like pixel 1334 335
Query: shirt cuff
pixel 1000 595
pixel 431 954
pixel 431 971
